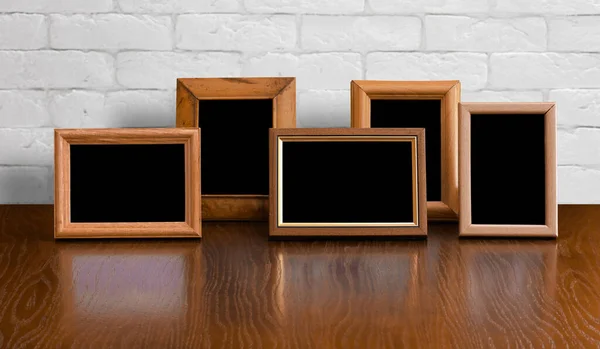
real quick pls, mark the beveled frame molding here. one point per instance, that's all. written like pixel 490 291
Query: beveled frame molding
pixel 416 228
pixel 448 92
pixel 466 228
pixel 190 91
pixel 64 228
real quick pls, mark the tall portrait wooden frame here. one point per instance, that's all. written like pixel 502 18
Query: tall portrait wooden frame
pixel 192 91
pixel 448 92
pixel 64 138
pixel 466 227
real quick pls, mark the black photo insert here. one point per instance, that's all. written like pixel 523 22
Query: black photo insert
pixel 425 114
pixel 235 146
pixel 508 169
pixel 128 183
pixel 347 182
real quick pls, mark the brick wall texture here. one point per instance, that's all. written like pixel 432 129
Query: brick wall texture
pixel 113 63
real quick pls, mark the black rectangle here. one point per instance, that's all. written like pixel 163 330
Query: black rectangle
pixel 235 146
pixel 347 182
pixel 427 114
pixel 127 183
pixel 508 181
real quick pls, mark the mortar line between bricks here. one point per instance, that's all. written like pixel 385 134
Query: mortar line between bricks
pixel 197 51
pixel 363 12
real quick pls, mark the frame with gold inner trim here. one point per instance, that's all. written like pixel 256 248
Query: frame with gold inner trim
pixel 417 226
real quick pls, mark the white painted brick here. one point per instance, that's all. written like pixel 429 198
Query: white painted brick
pixel 563 7
pixel 329 71
pixel 319 71
pixel 429 6
pixel 56 6
pixel 544 70
pixel 23 109
pixel 574 34
pixel 323 108
pixel 305 6
pixel 161 69
pixel 140 109
pixel 337 33
pixel 577 107
pixel 25 185
pixel 579 146
pixel 53 69
pixel 27 146
pixel 75 109
pixel 469 68
pixel 178 6
pixel 502 96
pixel 23 32
pixel 111 31
pixel 578 185
pixel 133 108
pixel 236 32
pixel 272 64
pixel 459 33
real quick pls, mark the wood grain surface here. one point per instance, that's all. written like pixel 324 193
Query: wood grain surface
pixel 237 289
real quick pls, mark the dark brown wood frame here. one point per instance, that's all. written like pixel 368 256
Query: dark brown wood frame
pixel 307 230
pixel 193 90
pixel 466 228
pixel 64 228
pixel 363 91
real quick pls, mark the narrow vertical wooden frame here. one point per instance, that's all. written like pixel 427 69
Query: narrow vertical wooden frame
pixel 466 228
pixel 191 91
pixel 277 228
pixel 64 228
pixel 448 92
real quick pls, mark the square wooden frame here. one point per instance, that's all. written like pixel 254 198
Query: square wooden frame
pixel 448 92
pixel 350 229
pixel 64 228
pixel 191 91
pixel 466 228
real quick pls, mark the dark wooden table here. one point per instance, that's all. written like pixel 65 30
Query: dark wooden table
pixel 236 289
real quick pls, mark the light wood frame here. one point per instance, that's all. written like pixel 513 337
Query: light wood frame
pixel 466 228
pixel 448 92
pixel 416 228
pixel 191 91
pixel 64 228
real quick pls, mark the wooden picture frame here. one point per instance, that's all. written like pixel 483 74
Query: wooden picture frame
pixel 190 94
pixel 448 93
pixel 65 228
pixel 418 225
pixel 466 227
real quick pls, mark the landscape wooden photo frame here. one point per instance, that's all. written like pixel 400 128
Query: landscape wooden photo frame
pixel 234 115
pixel 431 99
pixel 508 170
pixel 337 182
pixel 106 183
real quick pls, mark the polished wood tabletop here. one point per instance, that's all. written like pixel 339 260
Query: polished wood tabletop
pixel 236 289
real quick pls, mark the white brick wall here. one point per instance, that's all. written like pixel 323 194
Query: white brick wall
pixel 113 63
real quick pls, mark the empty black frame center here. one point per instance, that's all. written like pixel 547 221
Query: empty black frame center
pixel 347 182
pixel 235 146
pixel 127 183
pixel 400 113
pixel 508 169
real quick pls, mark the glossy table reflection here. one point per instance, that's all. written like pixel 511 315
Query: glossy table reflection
pixel 236 289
